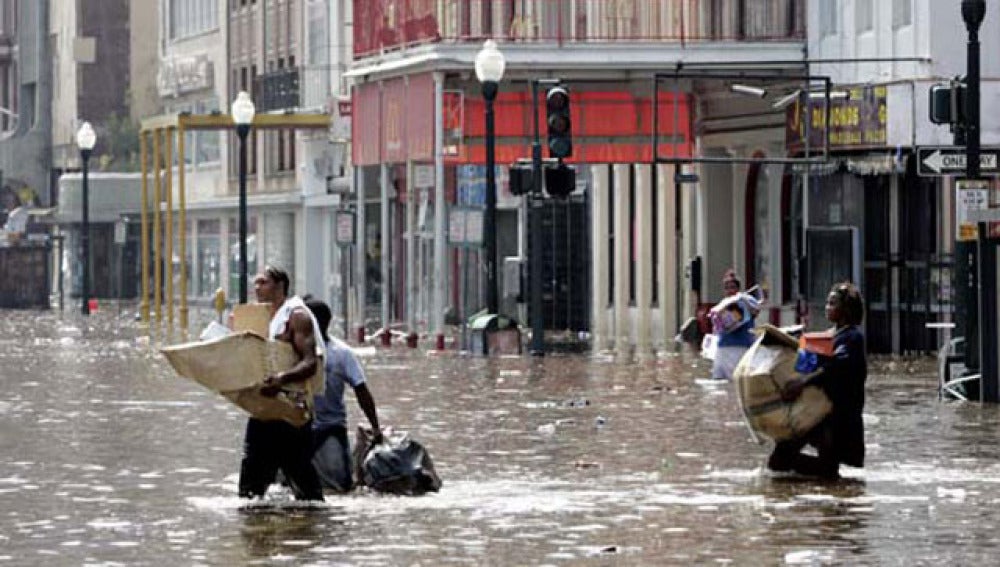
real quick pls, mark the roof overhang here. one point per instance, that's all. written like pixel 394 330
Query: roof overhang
pixel 220 121
pixel 546 58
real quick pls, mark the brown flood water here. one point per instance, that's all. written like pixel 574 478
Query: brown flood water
pixel 111 459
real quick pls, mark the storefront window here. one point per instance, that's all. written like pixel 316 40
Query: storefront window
pixel 201 147
pixel 209 260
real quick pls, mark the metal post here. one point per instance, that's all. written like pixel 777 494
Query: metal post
pixel 678 236
pixel 61 240
pixel 489 220
pixel 168 244
pixel 981 333
pixel 182 223
pixel 440 243
pixel 385 261
pixel 535 215
pixel 411 250
pixel 241 131
pixel 144 223
pixel 85 237
pixel 989 386
pixel 157 233
pixel 345 280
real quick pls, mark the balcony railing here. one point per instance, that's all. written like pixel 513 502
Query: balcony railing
pixel 306 87
pixel 385 25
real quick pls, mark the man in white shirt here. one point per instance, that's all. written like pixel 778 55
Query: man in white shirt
pixel 272 445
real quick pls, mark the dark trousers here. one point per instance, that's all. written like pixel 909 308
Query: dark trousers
pixel 272 445
pixel 787 455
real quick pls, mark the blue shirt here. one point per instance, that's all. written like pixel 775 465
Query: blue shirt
pixel 341 367
pixel 741 336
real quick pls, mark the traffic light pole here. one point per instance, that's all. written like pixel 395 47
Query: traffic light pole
pixel 535 218
pixel 984 341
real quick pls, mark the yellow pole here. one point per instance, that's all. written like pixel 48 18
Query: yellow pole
pixel 168 138
pixel 157 252
pixel 144 306
pixel 181 165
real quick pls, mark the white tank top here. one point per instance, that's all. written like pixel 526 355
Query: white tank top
pixel 280 320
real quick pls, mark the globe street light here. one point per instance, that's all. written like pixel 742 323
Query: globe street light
pixel 490 65
pixel 85 140
pixel 243 111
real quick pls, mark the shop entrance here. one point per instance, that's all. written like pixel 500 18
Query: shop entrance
pixel 910 286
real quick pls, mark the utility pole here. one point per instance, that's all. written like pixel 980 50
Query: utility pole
pixel 535 232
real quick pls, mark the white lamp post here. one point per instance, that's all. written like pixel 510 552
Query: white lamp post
pixel 243 112
pixel 490 64
pixel 85 140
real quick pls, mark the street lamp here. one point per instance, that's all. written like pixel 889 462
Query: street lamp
pixel 85 140
pixel 243 110
pixel 490 65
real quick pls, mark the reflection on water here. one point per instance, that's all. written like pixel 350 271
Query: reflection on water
pixel 111 459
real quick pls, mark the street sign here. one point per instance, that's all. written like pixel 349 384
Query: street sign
pixel 950 160
pixel 423 176
pixel 465 226
pixel 345 228
pixel 970 195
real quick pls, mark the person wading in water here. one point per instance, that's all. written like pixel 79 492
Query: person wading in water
pixel 273 445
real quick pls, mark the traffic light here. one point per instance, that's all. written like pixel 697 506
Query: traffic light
pixel 947 103
pixel 558 120
pixel 560 180
pixel 521 181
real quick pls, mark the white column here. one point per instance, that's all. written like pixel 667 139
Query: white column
pixel 423 282
pixel 621 258
pixel 440 245
pixel 690 203
pixel 194 290
pixel 644 256
pixel 666 253
pixel 411 249
pixel 385 248
pixel 224 271
pixel 600 272
pixel 360 249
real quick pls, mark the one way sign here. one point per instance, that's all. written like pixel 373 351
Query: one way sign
pixel 950 160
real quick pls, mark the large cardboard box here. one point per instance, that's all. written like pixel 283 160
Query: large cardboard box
pixel 235 367
pixel 761 376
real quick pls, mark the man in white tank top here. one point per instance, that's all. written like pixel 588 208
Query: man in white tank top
pixel 273 445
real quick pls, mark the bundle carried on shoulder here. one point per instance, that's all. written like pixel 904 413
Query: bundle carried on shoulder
pixel 760 378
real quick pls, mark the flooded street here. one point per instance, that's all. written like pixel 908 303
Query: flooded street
pixel 109 458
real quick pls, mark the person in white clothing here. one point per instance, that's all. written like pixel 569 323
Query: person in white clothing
pixel 273 445
pixel 331 450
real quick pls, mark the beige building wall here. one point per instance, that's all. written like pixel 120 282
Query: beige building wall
pixel 62 39
pixel 144 24
pixel 191 76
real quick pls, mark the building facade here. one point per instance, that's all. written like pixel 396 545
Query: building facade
pixel 89 67
pixel 417 107
pixel 284 54
pixel 874 186
pixel 25 100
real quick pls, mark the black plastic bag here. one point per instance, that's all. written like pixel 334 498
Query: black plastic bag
pixel 400 465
